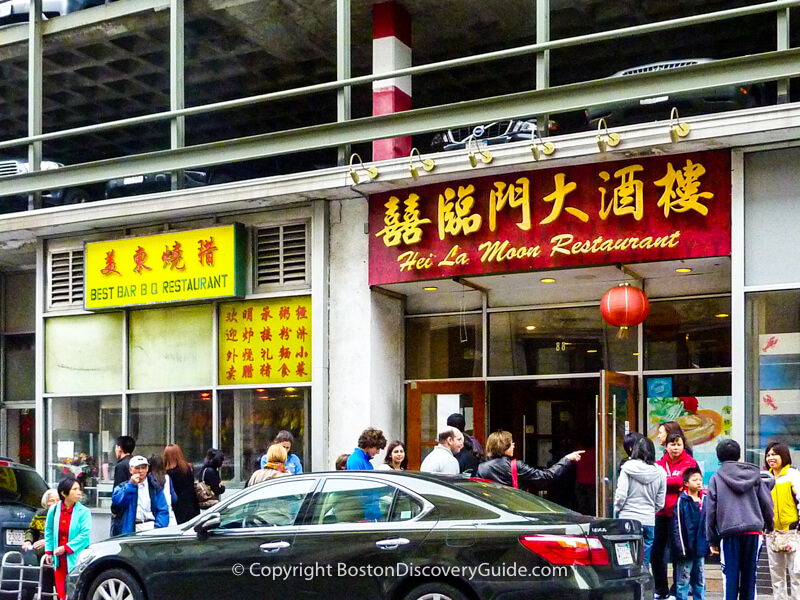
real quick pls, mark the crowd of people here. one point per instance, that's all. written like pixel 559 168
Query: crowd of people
pixel 682 523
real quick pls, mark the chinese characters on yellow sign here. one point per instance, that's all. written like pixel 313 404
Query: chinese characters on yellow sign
pixel 265 341
pixel 650 209
pixel 171 267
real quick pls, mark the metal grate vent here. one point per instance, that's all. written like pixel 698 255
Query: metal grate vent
pixel 282 255
pixel 66 279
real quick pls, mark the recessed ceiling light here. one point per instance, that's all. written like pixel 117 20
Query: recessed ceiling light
pixel 530 327
pixel 683 270
pixel 591 351
pixel 722 315
pixel 548 280
pixel 636 354
pixel 290 389
pixel 430 289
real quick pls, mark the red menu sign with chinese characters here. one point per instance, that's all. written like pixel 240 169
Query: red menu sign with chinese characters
pixel 265 341
pixel 657 208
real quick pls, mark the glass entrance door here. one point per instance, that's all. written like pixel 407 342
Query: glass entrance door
pixel 616 415
pixel 428 406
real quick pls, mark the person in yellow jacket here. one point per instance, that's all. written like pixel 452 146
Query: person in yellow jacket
pixel 786 499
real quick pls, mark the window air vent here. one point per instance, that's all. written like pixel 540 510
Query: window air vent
pixel 282 256
pixel 66 279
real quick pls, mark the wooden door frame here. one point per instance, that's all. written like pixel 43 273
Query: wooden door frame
pixel 414 391
pixel 607 380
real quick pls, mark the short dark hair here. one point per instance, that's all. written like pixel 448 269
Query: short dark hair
pixel 781 450
pixel 644 450
pixel 687 474
pixel 458 421
pixel 284 436
pixel 728 450
pixel 372 438
pixel 390 448
pixel 214 458
pixel 676 436
pixel 341 462
pixel 126 443
pixel 65 486
pixel 630 441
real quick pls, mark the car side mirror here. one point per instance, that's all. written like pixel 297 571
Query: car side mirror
pixel 206 524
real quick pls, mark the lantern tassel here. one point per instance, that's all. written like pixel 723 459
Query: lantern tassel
pixel 622 334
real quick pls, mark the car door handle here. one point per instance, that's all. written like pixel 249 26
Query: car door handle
pixel 391 544
pixel 273 546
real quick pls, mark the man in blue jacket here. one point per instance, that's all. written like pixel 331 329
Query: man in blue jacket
pixel 141 500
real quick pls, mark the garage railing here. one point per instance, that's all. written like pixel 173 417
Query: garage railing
pixel 780 66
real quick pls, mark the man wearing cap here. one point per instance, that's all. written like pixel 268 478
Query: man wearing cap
pixel 140 500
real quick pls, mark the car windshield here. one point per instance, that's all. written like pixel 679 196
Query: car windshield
pixel 516 501
pixel 21 485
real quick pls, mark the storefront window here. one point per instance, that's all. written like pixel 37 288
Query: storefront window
pixel 249 421
pixel 171 347
pixel 447 347
pixel 183 418
pixel 84 354
pixel 688 334
pixel 553 341
pixel 772 397
pixel 19 367
pixel 82 434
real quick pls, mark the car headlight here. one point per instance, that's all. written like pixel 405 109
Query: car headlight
pixel 84 558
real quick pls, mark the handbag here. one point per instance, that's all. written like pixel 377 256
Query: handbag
pixel 205 495
pixel 783 541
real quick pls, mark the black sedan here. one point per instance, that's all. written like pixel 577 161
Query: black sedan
pixel 373 535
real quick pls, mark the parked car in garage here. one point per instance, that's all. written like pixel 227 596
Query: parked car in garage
pixel 658 108
pixel 72 195
pixel 371 535
pixel 17 11
pixel 153 182
pixel 488 134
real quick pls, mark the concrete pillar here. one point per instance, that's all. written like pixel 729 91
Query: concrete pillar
pixel 366 341
pixel 391 50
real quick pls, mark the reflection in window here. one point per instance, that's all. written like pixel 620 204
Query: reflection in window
pixel 183 418
pixel 772 371
pixel 268 506
pixel 354 501
pixel 250 420
pixel 553 341
pixel 444 347
pixel 688 334
pixel 83 431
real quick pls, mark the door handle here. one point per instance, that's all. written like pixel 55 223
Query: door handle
pixel 270 547
pixel 391 544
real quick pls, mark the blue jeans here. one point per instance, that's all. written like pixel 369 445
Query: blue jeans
pixel 648 535
pixel 690 574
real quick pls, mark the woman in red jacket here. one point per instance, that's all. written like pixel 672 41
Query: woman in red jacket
pixel 675 461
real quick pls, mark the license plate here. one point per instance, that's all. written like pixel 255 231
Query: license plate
pixel 133 180
pixel 15 537
pixel 624 555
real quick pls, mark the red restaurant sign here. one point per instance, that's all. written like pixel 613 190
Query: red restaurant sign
pixel 658 208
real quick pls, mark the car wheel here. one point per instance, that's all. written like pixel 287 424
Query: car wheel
pixel 76 196
pixel 435 591
pixel 116 583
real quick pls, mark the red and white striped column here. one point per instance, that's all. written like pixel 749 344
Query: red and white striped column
pixel 391 50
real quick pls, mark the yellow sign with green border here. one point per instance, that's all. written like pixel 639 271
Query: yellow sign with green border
pixel 179 266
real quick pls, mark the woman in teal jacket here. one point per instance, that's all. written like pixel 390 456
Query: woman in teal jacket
pixel 66 531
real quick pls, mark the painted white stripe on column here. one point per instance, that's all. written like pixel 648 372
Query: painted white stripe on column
pixel 390 54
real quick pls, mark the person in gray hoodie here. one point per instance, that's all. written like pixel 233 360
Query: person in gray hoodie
pixel 641 491
pixel 738 510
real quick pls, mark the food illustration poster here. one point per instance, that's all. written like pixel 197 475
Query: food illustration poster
pixel 779 388
pixel 265 341
pixel 705 420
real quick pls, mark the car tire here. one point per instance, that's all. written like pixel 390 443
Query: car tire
pixel 76 196
pixel 115 583
pixel 435 591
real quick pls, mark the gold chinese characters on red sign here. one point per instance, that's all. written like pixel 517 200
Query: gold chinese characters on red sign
pixel 265 341
pixel 657 208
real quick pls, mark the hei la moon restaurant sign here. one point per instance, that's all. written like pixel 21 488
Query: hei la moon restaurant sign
pixel 658 208
pixel 178 266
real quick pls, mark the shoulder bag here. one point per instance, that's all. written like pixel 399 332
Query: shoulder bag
pixel 783 541
pixel 205 495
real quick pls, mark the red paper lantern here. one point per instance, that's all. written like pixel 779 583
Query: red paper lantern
pixel 624 306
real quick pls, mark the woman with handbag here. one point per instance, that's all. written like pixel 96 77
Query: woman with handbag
pixel 502 468
pixel 181 475
pixel 209 475
pixel 782 544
